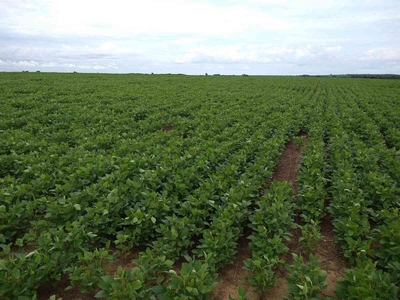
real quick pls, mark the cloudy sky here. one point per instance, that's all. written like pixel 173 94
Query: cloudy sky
pixel 199 36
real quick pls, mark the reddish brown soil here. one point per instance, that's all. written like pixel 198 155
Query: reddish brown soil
pixel 233 276
pixel 286 170
pixel 124 260
pixel 47 290
pixel 387 144
pixel 288 165
pixel 330 256
pixel 26 249
pixel 278 291
pixel 168 127
pixel 178 265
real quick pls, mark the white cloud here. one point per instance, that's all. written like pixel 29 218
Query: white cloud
pixel 384 54
pixel 334 49
pixel 257 54
pixel 21 63
pixel 50 65
pixel 304 52
pixel 188 35
pixel 101 56
pixel 187 41
pixel 215 54
pixel 124 18
pixel 108 47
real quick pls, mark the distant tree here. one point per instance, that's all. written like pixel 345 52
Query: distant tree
pixel 206 74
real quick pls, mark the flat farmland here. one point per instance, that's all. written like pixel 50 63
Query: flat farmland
pixel 198 187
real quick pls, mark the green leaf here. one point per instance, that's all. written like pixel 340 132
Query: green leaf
pixel 103 285
pixel 136 285
pixel 38 259
pixel 16 273
pixel 101 294
pixel 120 272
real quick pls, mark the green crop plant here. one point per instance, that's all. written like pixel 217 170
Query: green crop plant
pixel 306 280
pixel 93 164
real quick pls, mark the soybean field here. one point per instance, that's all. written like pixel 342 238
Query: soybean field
pixel 198 187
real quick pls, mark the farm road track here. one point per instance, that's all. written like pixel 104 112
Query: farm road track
pixel 286 170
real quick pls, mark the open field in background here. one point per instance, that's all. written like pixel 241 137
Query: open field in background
pixel 193 187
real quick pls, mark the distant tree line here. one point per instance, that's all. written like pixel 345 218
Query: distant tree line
pixel 379 76
pixel 375 76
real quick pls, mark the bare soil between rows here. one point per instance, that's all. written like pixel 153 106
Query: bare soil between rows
pixel 124 260
pixel 330 256
pixel 286 170
pixel 232 276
